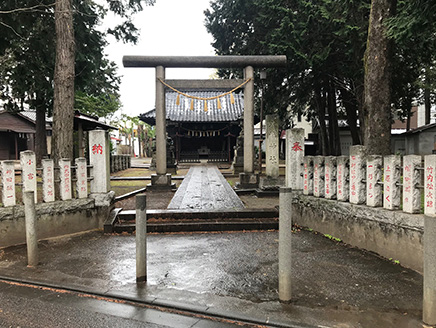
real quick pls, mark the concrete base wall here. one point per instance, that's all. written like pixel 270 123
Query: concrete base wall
pixel 54 219
pixel 392 234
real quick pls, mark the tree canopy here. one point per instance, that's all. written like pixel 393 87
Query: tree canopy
pixel 325 43
pixel 27 55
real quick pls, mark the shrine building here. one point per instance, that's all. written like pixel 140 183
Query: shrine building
pixel 202 129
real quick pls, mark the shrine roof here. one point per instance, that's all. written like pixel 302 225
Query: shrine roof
pixel 182 113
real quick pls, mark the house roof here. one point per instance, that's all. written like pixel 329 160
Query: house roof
pixel 15 122
pixel 32 116
pixel 90 122
pixel 420 129
pixel 24 122
pixel 182 113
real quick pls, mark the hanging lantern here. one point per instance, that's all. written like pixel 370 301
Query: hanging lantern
pixel 178 100
pixel 192 104
pixel 205 105
pixel 218 103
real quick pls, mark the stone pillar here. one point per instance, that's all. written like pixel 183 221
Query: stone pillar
pixel 112 163
pixel 391 189
pixel 308 175
pixel 411 178
pixel 161 138
pixel 429 184
pixel 342 178
pixel 80 140
pixel 8 183
pixel 318 176
pixel 65 176
pixel 248 179
pixel 429 284
pixel 272 146
pixel 48 187
pixel 30 223
pixel 357 174
pixel 118 163
pixel 285 244
pixel 141 238
pixel 162 179
pixel 82 178
pixel 295 158
pixel 99 159
pixel 374 196
pixel 28 173
pixel 249 121
pixel 330 177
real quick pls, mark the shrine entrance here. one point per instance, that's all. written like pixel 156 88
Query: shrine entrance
pixel 247 178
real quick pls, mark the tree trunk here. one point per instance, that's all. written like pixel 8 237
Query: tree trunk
pixel 320 106
pixel 350 104
pixel 335 141
pixel 63 107
pixel 377 101
pixel 427 100
pixel 40 135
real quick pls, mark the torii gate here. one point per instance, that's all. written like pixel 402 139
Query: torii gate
pixel 162 178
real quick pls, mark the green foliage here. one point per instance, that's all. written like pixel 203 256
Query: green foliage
pixel 104 105
pixel 332 238
pixel 394 261
pixel 27 52
pixel 324 41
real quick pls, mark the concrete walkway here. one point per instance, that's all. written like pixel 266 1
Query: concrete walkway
pixel 204 187
pixel 232 275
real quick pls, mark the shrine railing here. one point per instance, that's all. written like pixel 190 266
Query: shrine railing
pixel 393 182
pixel 120 162
pixel 49 182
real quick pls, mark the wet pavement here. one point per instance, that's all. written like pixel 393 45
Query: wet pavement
pixel 204 187
pixel 233 274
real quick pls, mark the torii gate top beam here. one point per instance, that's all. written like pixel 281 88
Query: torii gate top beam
pixel 205 61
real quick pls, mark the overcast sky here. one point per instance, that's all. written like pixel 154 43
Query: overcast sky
pixel 169 28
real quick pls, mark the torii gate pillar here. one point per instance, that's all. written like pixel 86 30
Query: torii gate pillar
pixel 161 179
pixel 248 179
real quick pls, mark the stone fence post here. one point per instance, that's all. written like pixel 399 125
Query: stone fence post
pixel 330 177
pixel 411 178
pixel 48 186
pixel 295 159
pixel 374 196
pixel 342 178
pixel 318 176
pixel 28 173
pixel 82 178
pixel 8 183
pixel 357 174
pixel 391 189
pixel 65 177
pixel 272 146
pixel 99 159
pixel 308 175
pixel 429 184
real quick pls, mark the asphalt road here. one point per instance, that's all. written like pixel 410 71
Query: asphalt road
pixel 26 306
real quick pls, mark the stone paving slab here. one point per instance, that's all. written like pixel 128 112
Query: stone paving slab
pixel 334 285
pixel 204 187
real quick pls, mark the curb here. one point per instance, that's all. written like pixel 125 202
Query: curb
pixel 191 308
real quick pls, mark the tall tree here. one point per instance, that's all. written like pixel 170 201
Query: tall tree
pixel 63 105
pixel 324 41
pixel 27 54
pixel 378 79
